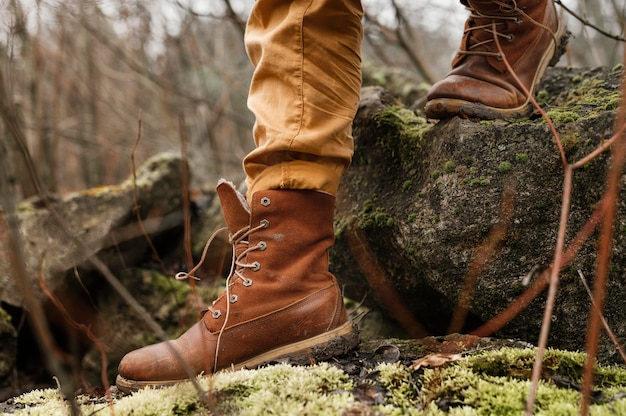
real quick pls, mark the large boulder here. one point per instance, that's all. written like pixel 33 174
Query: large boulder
pixel 429 213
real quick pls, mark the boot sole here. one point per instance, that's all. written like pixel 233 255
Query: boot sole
pixel 318 348
pixel 442 108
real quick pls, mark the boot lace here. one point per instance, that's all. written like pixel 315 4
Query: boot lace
pixel 507 11
pixel 237 267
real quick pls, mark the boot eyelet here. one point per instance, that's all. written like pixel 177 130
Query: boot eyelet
pixel 256 266
pixel 511 38
pixel 265 201
pixel 233 298
pixel 262 245
pixel 265 223
pixel 247 282
pixel 216 314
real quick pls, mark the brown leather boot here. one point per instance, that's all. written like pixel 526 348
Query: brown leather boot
pixel 280 301
pixel 480 86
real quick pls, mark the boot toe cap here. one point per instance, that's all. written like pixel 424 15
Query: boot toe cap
pixel 154 362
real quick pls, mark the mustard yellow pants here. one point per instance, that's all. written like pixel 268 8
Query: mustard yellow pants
pixel 304 92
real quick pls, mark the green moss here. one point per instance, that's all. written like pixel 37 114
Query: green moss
pixel 562 116
pixel 403 134
pixel 542 97
pixel 284 389
pixel 570 141
pixel 374 218
pixel 4 315
pixel 165 285
pixel 397 380
pixel 407 185
pixel 368 206
pixel 435 174
pixel 496 382
pixel 587 99
pixel 483 383
pixel 449 167
pixel 411 218
pixel 504 167
pixel 480 181
pixel 521 157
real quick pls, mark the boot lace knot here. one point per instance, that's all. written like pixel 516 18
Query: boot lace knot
pixel 241 248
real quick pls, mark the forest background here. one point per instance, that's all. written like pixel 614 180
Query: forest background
pixel 81 80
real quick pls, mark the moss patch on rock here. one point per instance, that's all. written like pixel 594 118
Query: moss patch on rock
pixel 406 130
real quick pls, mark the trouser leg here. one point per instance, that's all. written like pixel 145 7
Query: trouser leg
pixel 304 92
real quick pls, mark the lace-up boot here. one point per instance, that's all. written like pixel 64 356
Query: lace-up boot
pixel 280 301
pixel 529 34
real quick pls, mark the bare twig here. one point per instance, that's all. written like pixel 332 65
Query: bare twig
pixel 37 320
pixel 605 324
pixel 77 325
pixel 29 182
pixel 552 289
pixel 385 290
pixel 541 282
pixel 405 44
pixel 611 195
pixel 588 23
pixel 137 207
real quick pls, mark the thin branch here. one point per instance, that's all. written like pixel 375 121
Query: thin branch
pixel 552 289
pixel 380 283
pixel 605 324
pixel 77 325
pixel 586 22
pixel 613 186
pixel 419 63
pixel 542 280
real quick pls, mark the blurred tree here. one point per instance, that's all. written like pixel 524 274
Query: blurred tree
pixel 78 75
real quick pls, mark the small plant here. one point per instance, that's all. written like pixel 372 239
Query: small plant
pixel 449 167
pixel 521 157
pixel 504 167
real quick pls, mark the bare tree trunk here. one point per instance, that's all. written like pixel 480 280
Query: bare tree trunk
pixel 16 162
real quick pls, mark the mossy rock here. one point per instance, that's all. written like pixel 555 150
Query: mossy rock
pixel 421 197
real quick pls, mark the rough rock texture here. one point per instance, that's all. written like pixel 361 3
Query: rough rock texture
pixel 99 222
pixel 421 199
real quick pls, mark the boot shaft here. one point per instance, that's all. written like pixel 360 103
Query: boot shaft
pixel 281 257
pixel 299 232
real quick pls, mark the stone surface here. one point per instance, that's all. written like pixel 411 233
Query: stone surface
pixel 57 243
pixel 422 204
pixel 99 221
